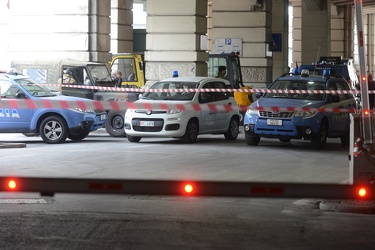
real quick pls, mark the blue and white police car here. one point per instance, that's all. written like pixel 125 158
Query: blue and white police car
pixel 54 125
pixel 261 121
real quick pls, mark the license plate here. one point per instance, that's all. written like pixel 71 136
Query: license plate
pixel 103 117
pixel 274 122
pixel 147 123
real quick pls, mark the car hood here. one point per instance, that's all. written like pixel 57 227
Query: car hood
pixel 283 103
pixel 168 102
pixel 65 98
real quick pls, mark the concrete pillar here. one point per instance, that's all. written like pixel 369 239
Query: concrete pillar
pixel 76 29
pixel 311 31
pixel 297 33
pixel 251 21
pixel 174 31
pixel 280 26
pixel 369 28
pixel 121 26
pixel 338 32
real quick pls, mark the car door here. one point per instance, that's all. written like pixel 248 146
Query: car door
pixel 222 98
pixel 207 118
pixel 338 120
pixel 13 119
pixel 346 102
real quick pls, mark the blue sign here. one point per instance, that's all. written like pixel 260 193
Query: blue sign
pixel 276 42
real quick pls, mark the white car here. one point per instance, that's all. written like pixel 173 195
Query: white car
pixel 179 123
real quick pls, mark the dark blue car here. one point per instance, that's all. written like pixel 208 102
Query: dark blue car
pixel 54 125
pixel 265 121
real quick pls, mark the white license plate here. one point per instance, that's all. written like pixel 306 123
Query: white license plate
pixel 103 117
pixel 274 122
pixel 147 123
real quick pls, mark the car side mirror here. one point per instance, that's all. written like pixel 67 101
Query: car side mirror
pixel 258 95
pixel 20 95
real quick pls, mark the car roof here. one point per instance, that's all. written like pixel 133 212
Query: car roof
pixel 12 76
pixel 292 77
pixel 194 79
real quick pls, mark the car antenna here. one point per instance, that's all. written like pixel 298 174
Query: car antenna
pixel 316 61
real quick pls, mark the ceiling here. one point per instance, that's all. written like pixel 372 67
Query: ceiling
pixel 365 3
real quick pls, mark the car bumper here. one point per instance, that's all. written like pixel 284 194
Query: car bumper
pixel 297 127
pixel 155 126
pixel 89 122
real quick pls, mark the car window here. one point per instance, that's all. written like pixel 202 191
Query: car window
pixel 286 86
pixel 34 89
pixel 220 96
pixel 207 97
pixel 338 85
pixel 8 90
pixel 175 91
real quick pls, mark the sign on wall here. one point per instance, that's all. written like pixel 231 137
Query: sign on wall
pixel 276 42
pixel 227 45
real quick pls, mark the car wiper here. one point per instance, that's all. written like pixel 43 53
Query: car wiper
pixel 146 98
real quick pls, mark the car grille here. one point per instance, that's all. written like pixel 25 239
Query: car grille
pixel 99 111
pixel 145 111
pixel 274 114
pixel 158 125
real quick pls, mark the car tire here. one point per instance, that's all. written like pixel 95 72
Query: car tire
pixel 78 137
pixel 53 130
pixel 233 130
pixel 345 140
pixel 320 141
pixel 133 138
pixel 191 133
pixel 115 124
pixel 252 140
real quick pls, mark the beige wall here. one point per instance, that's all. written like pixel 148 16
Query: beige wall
pixel 60 29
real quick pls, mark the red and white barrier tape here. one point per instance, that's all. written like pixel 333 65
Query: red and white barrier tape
pixel 360 149
pixel 145 90
pixel 121 105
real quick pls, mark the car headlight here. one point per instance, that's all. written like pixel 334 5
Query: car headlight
pixel 173 111
pixel 252 111
pixel 83 110
pixel 305 113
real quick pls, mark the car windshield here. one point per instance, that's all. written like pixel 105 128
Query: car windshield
pixel 175 91
pixel 34 88
pixel 99 72
pixel 287 87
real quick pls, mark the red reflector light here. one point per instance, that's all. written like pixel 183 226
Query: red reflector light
pixel 363 78
pixel 188 188
pixel 366 112
pixel 362 192
pixel 12 184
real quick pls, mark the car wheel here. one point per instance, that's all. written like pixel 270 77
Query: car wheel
pixel 53 130
pixel 252 140
pixel 133 138
pixel 284 139
pixel 78 137
pixel 345 139
pixel 115 124
pixel 320 141
pixel 233 130
pixel 191 133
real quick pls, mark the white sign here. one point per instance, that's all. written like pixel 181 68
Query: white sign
pixel 227 45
